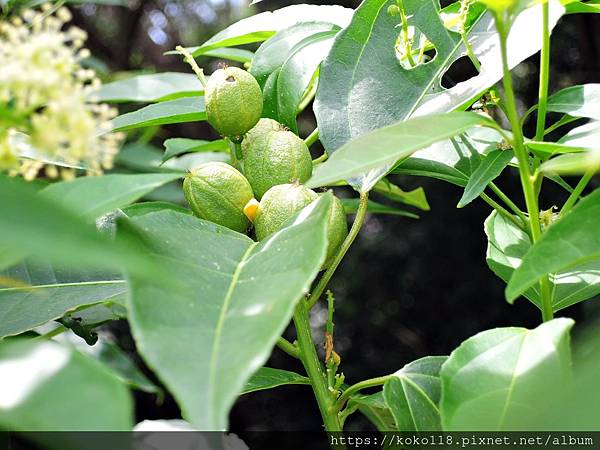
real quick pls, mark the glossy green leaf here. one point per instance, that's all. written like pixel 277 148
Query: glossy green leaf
pixel 33 293
pixel 363 86
pixel 487 171
pixel 546 149
pixel 188 109
pixel 577 101
pixel 179 146
pixel 568 243
pixel 385 146
pixel 155 87
pixel 32 224
pixel 573 164
pixel 268 378
pixel 92 197
pixel 507 245
pixel 262 26
pixel 576 6
pixel 236 297
pixel 139 209
pixel 351 206
pixel 288 85
pixel 414 393
pixel 584 136
pixel 49 387
pixel 500 379
pixel 232 54
pixel 453 160
pixel 374 408
pixel 274 52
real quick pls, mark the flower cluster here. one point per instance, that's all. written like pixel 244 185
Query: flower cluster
pixel 43 93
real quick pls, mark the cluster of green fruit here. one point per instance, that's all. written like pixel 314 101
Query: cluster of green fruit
pixel 274 162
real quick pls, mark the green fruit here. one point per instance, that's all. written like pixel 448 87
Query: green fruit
pixel 260 131
pixel 283 201
pixel 233 102
pixel 337 230
pixel 218 192
pixel 279 157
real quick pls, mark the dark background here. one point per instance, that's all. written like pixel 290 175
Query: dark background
pixel 408 288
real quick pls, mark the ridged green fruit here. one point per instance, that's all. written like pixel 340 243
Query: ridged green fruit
pixel 337 230
pixel 283 201
pixel 217 192
pixel 234 102
pixel 259 132
pixel 279 157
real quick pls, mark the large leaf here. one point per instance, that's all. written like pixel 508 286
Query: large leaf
pixel 92 197
pixel 264 25
pixel 507 245
pixel 363 86
pixel 188 109
pixel 501 379
pixel 235 298
pixel 32 224
pixel 268 378
pixel 150 88
pixel 414 393
pixel 385 146
pixel 49 387
pixel 41 292
pixel 489 169
pixel 577 101
pixel 568 243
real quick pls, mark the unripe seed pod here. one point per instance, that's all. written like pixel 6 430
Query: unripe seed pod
pixel 283 201
pixel 279 157
pixel 259 132
pixel 217 192
pixel 233 102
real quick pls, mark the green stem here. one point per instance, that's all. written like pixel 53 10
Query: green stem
pixel 407 46
pixel 288 347
pixel 356 226
pixel 235 150
pixel 502 211
pixel 544 75
pixel 577 191
pixel 50 334
pixel 508 202
pixel 314 370
pixel 372 382
pixel 320 159
pixel 312 137
pixel 527 180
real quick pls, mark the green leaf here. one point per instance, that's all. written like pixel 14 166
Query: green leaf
pixel 374 408
pixel 150 88
pixel 414 393
pixel 188 109
pixel 576 6
pixel 568 243
pixel 385 146
pixel 49 387
pixel 288 84
pixel 577 101
pixel 32 224
pixel 274 52
pixel 92 197
pixel 416 197
pixel 262 26
pixel 584 136
pixel 573 164
pixel 507 245
pixel 363 86
pixel 139 209
pixel 487 171
pixel 501 379
pixel 232 54
pixel 235 299
pixel 453 160
pixel 179 146
pixel 351 206
pixel 268 378
pixel 37 292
